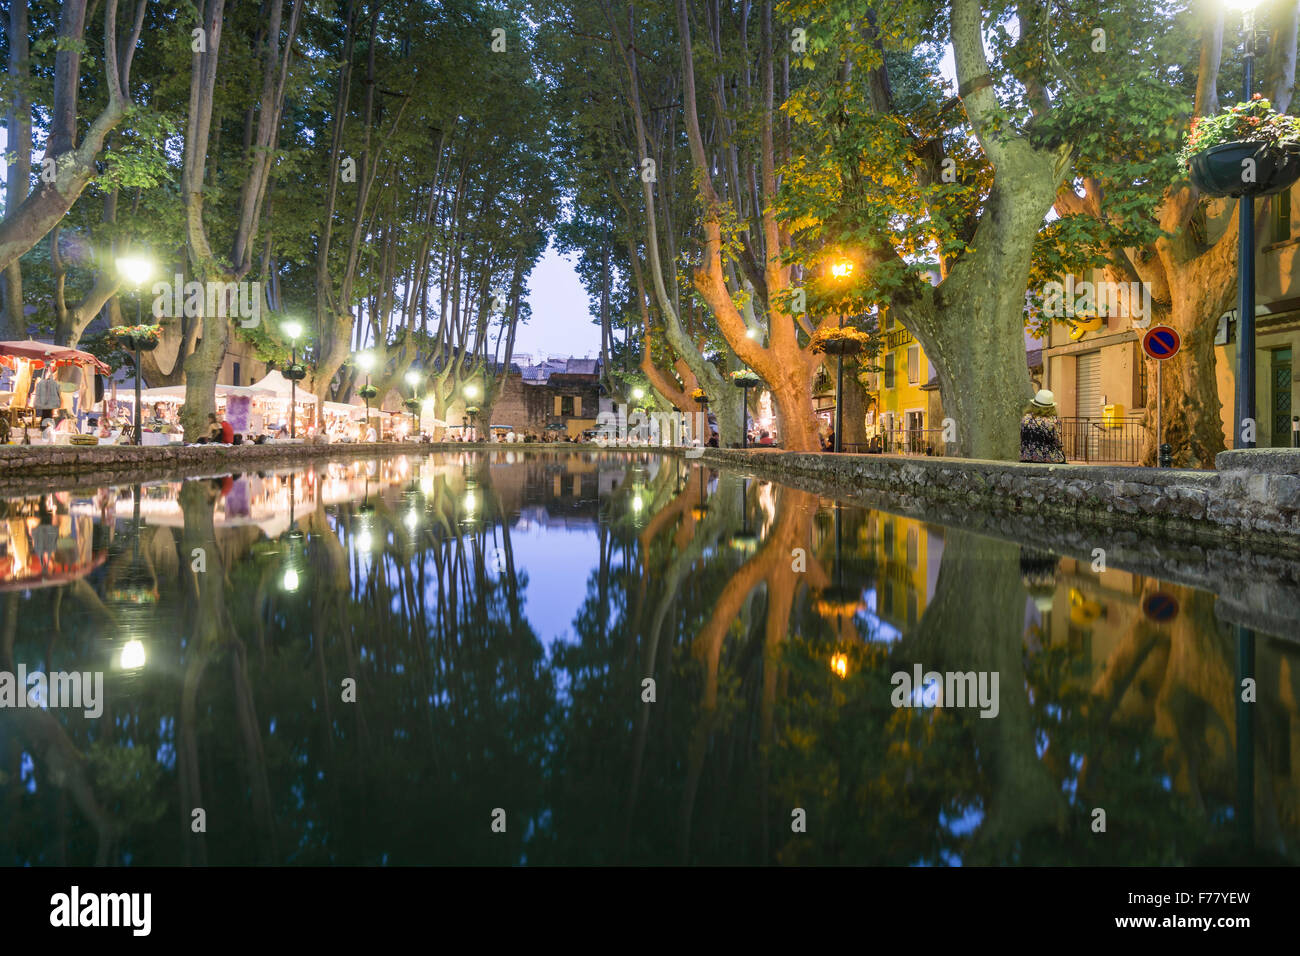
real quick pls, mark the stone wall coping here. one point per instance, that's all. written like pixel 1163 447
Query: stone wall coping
pixel 1285 461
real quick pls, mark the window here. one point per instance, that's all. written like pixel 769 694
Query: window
pixel 234 375
pixel 914 364
pixel 913 544
pixel 566 405
pixel 889 371
pixel 1282 216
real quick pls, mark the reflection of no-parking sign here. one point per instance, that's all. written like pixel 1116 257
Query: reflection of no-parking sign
pixel 1160 607
pixel 1161 342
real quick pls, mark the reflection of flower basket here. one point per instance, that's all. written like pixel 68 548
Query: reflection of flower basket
pixel 368 391
pixel 699 511
pixel 838 601
pixel 745 541
pixel 295 373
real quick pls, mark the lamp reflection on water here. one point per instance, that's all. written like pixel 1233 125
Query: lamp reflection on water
pixel 132 656
pixel 840 665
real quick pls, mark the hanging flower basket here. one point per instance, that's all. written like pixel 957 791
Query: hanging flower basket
pixel 295 373
pixel 368 391
pixel 471 409
pixel 745 378
pixel 1247 150
pixel 1244 169
pixel 699 396
pixel 840 341
pixel 142 337
pixel 412 405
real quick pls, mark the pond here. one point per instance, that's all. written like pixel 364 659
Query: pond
pixel 504 658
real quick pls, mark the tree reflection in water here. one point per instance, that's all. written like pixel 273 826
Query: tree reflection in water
pixel 769 620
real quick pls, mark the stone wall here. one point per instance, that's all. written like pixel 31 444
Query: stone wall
pixel 1253 498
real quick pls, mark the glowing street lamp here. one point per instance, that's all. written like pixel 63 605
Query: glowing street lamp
pixel 135 271
pixel 293 329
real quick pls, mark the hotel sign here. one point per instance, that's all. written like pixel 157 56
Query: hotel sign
pixel 898 338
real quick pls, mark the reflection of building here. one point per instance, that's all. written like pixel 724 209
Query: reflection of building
pixel 1171 665
pixel 907 554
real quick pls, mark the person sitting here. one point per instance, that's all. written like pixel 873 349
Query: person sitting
pixel 214 428
pixel 370 434
pixel 765 438
pixel 282 431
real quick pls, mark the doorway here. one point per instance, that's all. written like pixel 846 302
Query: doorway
pixel 1281 398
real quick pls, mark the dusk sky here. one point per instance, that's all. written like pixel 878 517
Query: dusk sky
pixel 562 322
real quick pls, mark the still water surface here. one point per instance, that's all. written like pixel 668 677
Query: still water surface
pixel 375 662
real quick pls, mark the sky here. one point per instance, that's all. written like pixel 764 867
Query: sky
pixel 562 320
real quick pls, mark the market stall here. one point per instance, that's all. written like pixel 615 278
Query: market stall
pixel 275 408
pixel 40 378
pixel 243 406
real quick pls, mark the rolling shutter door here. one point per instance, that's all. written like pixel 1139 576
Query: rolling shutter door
pixel 1087 386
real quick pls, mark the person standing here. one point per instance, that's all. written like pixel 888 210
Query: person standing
pixel 1040 431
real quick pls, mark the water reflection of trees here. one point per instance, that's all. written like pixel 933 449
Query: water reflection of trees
pixel 408 584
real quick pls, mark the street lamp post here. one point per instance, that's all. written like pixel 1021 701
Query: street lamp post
pixel 366 362
pixel 293 330
pixel 1245 398
pixel 136 270
pixel 841 270
pixel 413 380
pixel 471 393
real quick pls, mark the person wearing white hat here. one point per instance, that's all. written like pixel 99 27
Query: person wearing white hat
pixel 1040 431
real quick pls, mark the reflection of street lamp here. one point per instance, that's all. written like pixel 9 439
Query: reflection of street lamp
pixel 136 270
pixel 293 330
pixel 133 656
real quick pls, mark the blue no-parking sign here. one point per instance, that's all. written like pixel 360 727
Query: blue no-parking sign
pixel 1161 342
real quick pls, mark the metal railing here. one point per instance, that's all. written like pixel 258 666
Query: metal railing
pixel 903 441
pixel 1117 440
